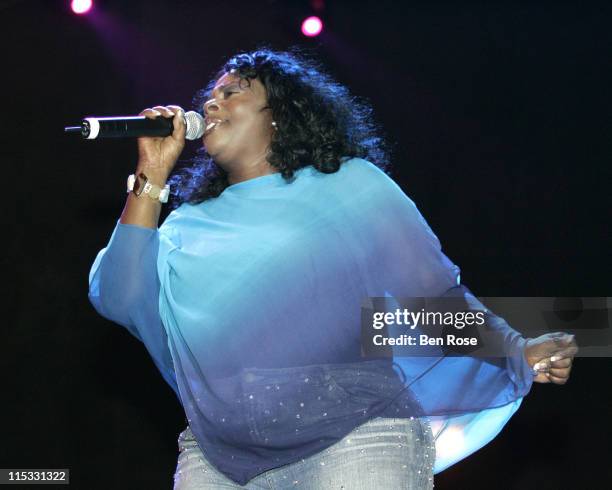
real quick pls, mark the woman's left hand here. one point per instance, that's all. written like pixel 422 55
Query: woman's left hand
pixel 551 355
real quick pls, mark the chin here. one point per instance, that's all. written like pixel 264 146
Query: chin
pixel 210 148
pixel 212 144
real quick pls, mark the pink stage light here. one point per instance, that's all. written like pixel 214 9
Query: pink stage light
pixel 81 6
pixel 312 26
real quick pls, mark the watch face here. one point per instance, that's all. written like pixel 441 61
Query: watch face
pixel 154 192
pixel 139 184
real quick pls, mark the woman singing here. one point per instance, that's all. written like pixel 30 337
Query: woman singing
pixel 249 297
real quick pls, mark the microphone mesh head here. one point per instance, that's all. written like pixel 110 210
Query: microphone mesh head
pixel 195 125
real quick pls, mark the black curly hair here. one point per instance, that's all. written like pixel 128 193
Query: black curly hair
pixel 318 123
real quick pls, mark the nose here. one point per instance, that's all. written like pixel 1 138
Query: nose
pixel 210 106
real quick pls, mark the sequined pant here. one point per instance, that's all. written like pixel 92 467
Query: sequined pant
pixel 382 454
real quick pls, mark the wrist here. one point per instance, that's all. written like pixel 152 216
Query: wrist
pixel 156 174
pixel 142 184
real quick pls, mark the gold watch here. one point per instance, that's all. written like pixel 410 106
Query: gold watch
pixel 139 184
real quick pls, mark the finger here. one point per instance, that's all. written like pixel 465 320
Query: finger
pixel 562 363
pixel 560 372
pixel 150 113
pixel 561 339
pixel 541 378
pixel 556 380
pixel 568 352
pixel 542 365
pixel 546 364
pixel 178 123
pixel 163 110
pixel 175 108
pixel 178 110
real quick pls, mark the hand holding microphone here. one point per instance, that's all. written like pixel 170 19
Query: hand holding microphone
pixel 161 135
pixel 157 155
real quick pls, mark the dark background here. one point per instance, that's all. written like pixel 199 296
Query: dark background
pixel 500 118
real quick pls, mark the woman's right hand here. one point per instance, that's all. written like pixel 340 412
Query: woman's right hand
pixel 158 155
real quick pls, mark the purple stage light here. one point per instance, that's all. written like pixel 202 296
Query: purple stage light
pixel 81 6
pixel 312 26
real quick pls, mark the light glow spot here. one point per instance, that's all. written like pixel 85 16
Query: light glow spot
pixel 81 6
pixel 312 26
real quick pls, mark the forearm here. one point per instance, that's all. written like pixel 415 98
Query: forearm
pixel 498 338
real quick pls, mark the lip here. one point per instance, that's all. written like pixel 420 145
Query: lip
pixel 215 122
pixel 209 119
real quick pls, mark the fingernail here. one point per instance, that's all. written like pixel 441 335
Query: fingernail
pixel 555 358
pixel 537 366
pixel 171 113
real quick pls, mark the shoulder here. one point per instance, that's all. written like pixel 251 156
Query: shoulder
pixel 358 168
pixel 361 178
pixel 353 174
pixel 369 186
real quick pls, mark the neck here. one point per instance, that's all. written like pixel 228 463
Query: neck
pixel 255 167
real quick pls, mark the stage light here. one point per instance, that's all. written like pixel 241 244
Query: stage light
pixel 81 6
pixel 312 26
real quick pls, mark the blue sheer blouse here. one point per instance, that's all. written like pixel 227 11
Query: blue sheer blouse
pixel 250 305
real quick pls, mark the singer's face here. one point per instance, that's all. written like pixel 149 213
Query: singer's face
pixel 243 128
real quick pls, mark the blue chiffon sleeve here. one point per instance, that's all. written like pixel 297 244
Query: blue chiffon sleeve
pixel 124 288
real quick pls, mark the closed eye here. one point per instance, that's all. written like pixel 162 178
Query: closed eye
pixel 228 93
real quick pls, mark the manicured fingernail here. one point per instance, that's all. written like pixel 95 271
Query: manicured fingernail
pixel 537 366
pixel 555 358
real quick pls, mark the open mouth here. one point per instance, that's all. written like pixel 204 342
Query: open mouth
pixel 211 125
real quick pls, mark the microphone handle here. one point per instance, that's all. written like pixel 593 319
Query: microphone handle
pixel 125 127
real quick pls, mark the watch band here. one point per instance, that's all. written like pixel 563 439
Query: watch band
pixel 140 185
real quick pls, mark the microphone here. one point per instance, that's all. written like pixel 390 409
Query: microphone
pixel 136 126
